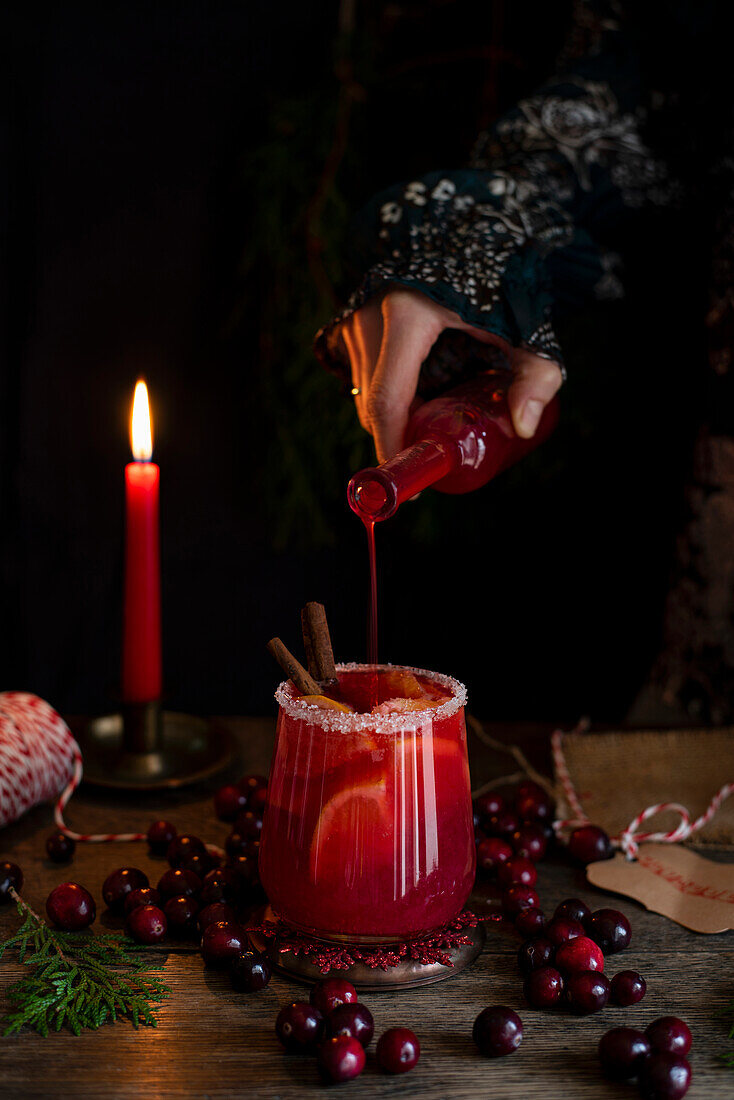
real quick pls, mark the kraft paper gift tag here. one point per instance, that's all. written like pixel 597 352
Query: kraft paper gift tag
pixel 674 881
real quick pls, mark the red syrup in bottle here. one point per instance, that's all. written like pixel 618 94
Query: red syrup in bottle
pixel 456 443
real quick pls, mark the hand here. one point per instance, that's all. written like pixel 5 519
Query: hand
pixel 387 342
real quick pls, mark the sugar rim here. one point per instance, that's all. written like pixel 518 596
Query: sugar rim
pixel 376 723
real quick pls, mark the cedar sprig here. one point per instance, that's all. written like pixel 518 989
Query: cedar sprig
pixel 78 980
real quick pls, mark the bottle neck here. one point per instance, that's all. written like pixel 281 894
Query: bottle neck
pixel 377 493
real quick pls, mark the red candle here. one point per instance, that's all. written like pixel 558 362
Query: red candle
pixel 141 645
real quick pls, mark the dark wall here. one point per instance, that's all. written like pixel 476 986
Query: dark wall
pixel 128 130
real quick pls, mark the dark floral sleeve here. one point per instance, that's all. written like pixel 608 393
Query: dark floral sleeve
pixel 518 234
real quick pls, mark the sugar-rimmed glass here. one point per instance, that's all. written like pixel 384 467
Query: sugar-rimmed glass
pixel 368 832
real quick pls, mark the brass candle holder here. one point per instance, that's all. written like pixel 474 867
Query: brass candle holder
pixel 147 748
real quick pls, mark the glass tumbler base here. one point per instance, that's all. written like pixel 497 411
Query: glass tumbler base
pixel 406 974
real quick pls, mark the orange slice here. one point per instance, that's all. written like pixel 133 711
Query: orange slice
pixel 406 706
pixel 349 824
pixel 325 703
pixel 403 684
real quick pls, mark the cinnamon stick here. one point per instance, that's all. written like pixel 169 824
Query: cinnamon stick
pixel 317 642
pixel 293 668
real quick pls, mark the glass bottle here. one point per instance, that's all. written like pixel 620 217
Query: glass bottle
pixel 456 442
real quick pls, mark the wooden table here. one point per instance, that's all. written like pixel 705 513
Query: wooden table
pixel 214 1043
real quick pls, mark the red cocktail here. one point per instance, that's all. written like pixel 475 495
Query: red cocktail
pixel 368 832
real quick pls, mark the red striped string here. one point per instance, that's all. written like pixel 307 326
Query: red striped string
pixel 630 838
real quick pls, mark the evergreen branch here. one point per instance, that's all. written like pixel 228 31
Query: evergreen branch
pixel 78 980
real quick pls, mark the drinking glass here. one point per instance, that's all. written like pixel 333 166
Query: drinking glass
pixel 368 831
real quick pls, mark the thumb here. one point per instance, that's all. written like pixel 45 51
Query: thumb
pixel 536 381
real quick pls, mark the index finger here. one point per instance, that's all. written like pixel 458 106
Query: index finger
pixel 408 336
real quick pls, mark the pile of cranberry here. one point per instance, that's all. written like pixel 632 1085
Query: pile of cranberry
pixel 562 957
pixel 335 1026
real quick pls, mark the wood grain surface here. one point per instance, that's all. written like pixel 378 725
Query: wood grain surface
pixel 214 1043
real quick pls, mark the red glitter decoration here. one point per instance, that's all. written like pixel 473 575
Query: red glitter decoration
pixel 432 947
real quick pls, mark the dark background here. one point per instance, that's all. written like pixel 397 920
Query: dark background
pixel 163 215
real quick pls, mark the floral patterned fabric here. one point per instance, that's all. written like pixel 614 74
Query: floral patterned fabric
pixel 518 234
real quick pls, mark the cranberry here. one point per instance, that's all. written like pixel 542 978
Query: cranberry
pixel 60 848
pixel 70 907
pixel 159 836
pixel 516 898
pixel 534 805
pixel 588 844
pixel 530 787
pixel 587 991
pixel 562 929
pixel 628 987
pixel 177 881
pixel 530 842
pixel 228 801
pixel 670 1034
pixel 398 1050
pixel 200 864
pixel 246 874
pixel 249 824
pixel 249 783
pixel 147 924
pixel 664 1076
pixel 353 1019
pixel 299 1026
pixel 222 942
pixel 517 872
pixel 144 895
pixel 244 869
pixel 235 844
pixel 214 913
pixel 622 1052
pixel 610 929
pixel 530 922
pixel 488 805
pixel 491 854
pixel 118 885
pixel 543 988
pixel 573 909
pixel 257 798
pixel 183 847
pixel 181 914
pixel 535 953
pixel 11 878
pixel 579 954
pixel 341 1058
pixel 218 885
pixel 503 824
pixel 497 1031
pixel 330 992
pixel 250 972
pixel 251 848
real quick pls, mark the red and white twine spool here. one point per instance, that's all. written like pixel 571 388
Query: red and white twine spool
pixel 39 761
pixel 630 838
pixel 38 755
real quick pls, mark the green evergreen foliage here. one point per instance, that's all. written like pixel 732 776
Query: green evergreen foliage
pixel 291 261
pixel 78 980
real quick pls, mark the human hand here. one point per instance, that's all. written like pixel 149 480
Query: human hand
pixel 387 341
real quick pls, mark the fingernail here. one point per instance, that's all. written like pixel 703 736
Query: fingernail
pixel 530 416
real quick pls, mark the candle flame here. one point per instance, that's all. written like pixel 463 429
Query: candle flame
pixel 141 431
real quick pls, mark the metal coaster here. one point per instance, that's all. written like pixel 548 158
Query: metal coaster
pixel 187 749
pixel 406 975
